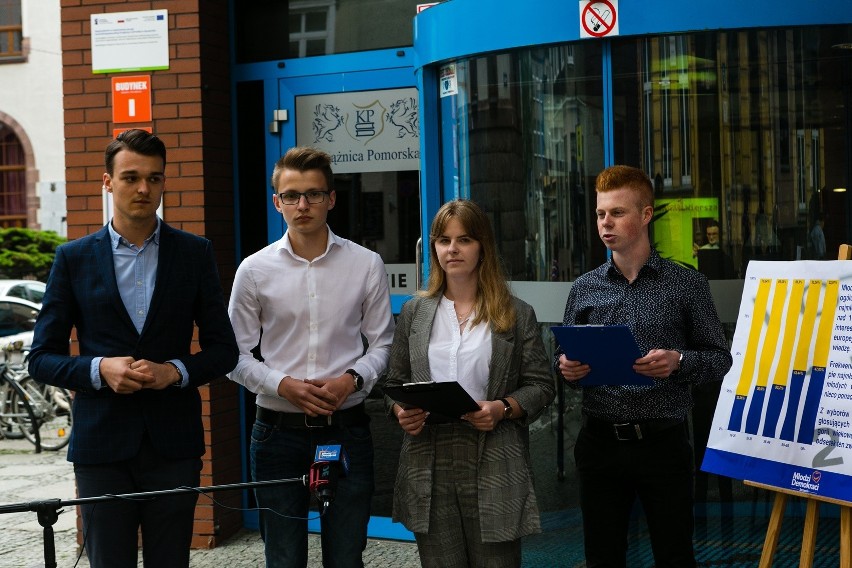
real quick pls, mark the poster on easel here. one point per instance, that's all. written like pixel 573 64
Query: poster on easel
pixel 784 415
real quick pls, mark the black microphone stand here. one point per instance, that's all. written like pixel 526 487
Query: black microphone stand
pixel 48 510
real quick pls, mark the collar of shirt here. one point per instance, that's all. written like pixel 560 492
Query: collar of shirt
pixel 651 267
pixel 116 239
pixel 285 244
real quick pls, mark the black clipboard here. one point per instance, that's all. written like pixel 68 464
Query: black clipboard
pixel 443 400
pixel 610 351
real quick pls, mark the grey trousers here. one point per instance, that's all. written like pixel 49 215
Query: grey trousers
pixel 454 539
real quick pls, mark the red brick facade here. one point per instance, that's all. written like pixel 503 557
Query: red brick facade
pixel 192 114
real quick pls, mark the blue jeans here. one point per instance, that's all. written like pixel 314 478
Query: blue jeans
pixel 281 453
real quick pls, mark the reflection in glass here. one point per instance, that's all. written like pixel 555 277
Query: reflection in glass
pixel 526 145
pixel 742 132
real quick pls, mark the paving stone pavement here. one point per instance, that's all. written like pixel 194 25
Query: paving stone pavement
pixel 27 477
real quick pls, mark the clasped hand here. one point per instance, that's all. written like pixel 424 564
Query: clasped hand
pixel 316 397
pixel 126 375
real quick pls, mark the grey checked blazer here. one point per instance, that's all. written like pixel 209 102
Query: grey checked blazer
pixel 520 369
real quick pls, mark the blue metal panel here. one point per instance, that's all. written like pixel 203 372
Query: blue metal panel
pixel 430 157
pixel 274 220
pixel 608 119
pixel 397 300
pixel 462 28
pixel 378 527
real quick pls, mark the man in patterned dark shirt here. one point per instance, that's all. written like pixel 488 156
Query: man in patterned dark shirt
pixel 634 440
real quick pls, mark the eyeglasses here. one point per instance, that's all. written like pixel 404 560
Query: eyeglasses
pixel 293 197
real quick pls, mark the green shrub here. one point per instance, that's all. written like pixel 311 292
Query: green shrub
pixel 25 253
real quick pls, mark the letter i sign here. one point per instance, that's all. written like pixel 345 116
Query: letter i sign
pixel 131 99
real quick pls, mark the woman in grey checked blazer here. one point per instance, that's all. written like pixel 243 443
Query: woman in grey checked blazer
pixel 465 488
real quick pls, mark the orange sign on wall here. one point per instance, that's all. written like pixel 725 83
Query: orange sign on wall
pixel 117 131
pixel 131 99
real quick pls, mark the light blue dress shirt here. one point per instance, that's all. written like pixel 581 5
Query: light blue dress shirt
pixel 135 276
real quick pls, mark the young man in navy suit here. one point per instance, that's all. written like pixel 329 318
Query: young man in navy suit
pixel 134 291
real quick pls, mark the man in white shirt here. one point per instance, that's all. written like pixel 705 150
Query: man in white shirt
pixel 311 301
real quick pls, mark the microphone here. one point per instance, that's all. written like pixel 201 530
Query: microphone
pixel 330 463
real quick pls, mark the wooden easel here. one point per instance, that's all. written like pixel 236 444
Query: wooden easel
pixel 806 556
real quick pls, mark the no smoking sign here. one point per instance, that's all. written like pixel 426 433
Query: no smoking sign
pixel 598 18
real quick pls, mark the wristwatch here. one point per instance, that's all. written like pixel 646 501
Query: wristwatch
pixel 507 408
pixel 358 380
pixel 178 383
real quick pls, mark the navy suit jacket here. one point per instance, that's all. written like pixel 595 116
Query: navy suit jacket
pixel 82 294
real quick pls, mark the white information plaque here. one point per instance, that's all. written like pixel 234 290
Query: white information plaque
pixel 130 41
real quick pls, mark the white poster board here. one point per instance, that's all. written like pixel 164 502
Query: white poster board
pixel 783 415
pixel 130 41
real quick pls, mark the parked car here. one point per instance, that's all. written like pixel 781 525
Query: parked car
pixel 31 290
pixel 17 320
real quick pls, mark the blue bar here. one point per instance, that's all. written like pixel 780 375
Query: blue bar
pixel 755 411
pixel 797 381
pixel 809 412
pixel 736 422
pixel 773 410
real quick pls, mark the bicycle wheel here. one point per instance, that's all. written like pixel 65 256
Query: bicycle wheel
pixel 8 427
pixel 52 408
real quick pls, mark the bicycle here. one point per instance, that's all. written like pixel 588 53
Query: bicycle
pixel 41 413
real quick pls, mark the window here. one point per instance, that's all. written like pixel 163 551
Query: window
pixel 11 31
pixel 16 318
pixel 13 187
pixel 310 23
pixel 280 29
pixel 31 291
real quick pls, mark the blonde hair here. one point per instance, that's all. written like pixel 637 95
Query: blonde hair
pixel 493 300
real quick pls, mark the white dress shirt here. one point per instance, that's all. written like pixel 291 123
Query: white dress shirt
pixel 456 356
pixel 312 316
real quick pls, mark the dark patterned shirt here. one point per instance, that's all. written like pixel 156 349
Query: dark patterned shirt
pixel 666 307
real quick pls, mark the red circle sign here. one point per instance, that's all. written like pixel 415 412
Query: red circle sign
pixel 595 16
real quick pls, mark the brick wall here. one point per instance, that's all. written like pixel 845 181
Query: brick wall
pixel 191 113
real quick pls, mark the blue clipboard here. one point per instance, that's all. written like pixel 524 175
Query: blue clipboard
pixel 610 351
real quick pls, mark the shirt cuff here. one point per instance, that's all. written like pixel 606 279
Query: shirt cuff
pixel 95 373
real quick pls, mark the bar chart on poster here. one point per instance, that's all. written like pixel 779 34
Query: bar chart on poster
pixel 784 413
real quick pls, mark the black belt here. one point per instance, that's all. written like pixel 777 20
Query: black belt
pixel 354 416
pixel 631 431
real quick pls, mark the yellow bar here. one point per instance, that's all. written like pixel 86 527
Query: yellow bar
pixel 803 348
pixel 773 330
pixel 782 372
pixel 758 316
pixel 826 323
